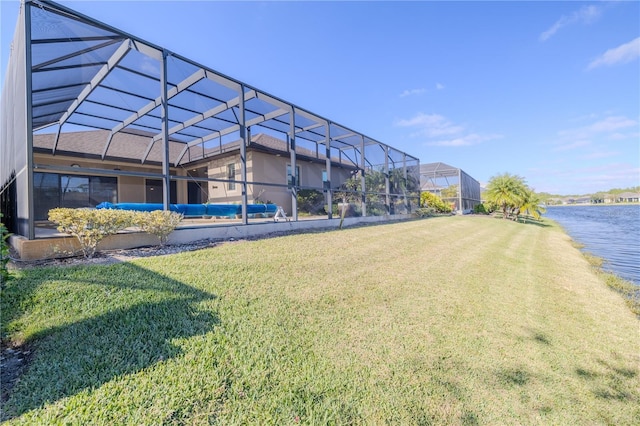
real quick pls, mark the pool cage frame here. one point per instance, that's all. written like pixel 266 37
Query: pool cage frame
pixel 68 72
pixel 436 177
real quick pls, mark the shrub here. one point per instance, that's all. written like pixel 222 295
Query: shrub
pixel 4 252
pixel 480 209
pixel 425 212
pixel 90 226
pixel 349 209
pixel 311 201
pixel 160 223
pixel 428 199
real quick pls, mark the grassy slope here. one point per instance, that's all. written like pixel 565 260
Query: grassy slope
pixel 463 320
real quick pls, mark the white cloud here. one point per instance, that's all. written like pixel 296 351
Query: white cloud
pixel 150 66
pixel 609 127
pixel 608 175
pixel 439 86
pixel 466 140
pixel 584 15
pixel 572 145
pixel 601 154
pixel 430 125
pixel 618 55
pixel 611 124
pixel 412 92
pixel 618 136
pixel 601 138
pixel 585 117
pixel 447 133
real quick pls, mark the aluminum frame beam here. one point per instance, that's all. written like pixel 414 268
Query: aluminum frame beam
pixel 183 85
pixel 46 64
pixel 164 112
pixel 208 114
pixel 189 81
pixel 117 56
pixel 229 130
pixel 112 62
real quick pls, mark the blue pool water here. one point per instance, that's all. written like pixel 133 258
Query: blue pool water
pixel 228 210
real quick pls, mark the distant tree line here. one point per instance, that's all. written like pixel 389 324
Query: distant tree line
pixel 594 198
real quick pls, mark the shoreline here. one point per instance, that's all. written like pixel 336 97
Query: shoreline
pixel 609 234
pixel 592 204
pixel 626 288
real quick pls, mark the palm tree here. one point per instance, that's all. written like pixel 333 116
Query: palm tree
pixel 506 191
pixel 532 204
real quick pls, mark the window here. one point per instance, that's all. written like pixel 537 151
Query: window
pixel 74 191
pixel 154 187
pixel 290 179
pixel 51 190
pixel 101 189
pixel 46 194
pixel 231 175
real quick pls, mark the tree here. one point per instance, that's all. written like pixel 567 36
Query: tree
pixel 350 192
pixel 506 191
pixel 531 204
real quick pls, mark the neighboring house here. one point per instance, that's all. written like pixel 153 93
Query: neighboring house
pixel 628 197
pixel 429 186
pixel 451 184
pixel 579 200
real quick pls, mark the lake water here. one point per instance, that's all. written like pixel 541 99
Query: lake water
pixel 609 232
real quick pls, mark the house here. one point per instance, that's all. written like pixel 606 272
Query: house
pixel 92 114
pixel 451 184
pixel 577 200
pixel 268 160
pixel 628 197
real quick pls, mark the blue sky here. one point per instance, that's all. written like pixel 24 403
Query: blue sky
pixel 546 90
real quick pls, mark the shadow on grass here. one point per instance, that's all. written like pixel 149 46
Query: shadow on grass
pixel 16 293
pixel 538 336
pixel 515 376
pixel 529 220
pixel 616 383
pixel 90 352
pixel 540 223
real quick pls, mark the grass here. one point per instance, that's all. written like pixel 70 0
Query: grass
pixel 629 290
pixel 450 320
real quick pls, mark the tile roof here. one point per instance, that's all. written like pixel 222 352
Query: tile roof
pixel 131 146
pixel 123 146
pixel 629 195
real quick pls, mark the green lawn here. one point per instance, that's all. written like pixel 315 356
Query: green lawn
pixel 452 320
